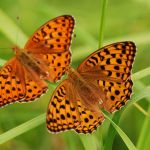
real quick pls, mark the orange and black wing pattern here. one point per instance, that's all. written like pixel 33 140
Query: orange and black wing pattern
pixel 112 64
pixel 51 44
pixel 16 85
pixel 65 114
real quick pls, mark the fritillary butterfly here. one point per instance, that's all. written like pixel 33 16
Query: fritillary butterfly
pixel 44 57
pixel 102 81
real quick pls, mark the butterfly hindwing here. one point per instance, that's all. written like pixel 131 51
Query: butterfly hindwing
pixel 65 114
pixel 61 113
pixel 15 84
pixel 33 90
pixel 117 94
pixel 11 87
pixel 88 120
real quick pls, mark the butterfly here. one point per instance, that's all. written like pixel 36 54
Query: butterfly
pixel 44 57
pixel 102 81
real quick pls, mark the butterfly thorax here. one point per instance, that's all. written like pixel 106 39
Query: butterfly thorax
pixel 88 93
pixel 34 66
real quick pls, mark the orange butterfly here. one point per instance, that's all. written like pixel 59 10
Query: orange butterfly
pixel 102 81
pixel 44 57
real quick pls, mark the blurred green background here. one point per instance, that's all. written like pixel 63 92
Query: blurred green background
pixel 125 20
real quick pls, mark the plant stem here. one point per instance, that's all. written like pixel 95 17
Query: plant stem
pixel 102 20
pixel 141 109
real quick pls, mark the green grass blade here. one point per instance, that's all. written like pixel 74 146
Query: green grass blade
pixel 103 7
pixel 144 138
pixel 2 61
pixel 72 139
pixel 124 137
pixel 111 131
pixel 142 94
pixel 10 29
pixel 141 74
pixel 102 21
pixel 140 38
pixel 143 143
pixel 35 122
pixel 141 109
pixel 89 142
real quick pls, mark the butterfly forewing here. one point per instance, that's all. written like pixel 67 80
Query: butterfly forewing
pixel 11 87
pixel 113 61
pixel 111 67
pixel 52 37
pixel 50 45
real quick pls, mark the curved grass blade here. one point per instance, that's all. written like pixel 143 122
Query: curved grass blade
pixel 102 21
pixel 89 142
pixel 143 143
pixel 31 124
pixel 141 74
pixel 111 131
pixel 124 137
pixel 2 61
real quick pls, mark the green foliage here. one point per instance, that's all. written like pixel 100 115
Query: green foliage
pixel 123 20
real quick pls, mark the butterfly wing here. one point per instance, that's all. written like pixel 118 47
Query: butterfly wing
pixel 34 88
pixel 88 120
pixel 15 84
pixel 52 37
pixel 57 64
pixel 11 87
pixel 117 94
pixel 50 44
pixel 111 67
pixel 66 114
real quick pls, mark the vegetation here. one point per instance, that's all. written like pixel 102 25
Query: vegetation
pixel 98 22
